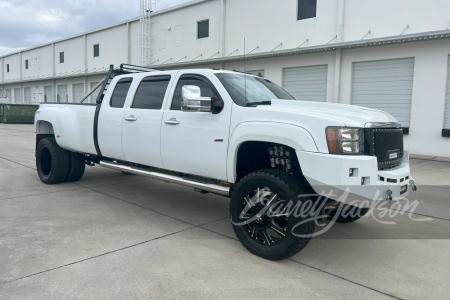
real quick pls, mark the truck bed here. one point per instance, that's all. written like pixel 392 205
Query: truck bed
pixel 73 124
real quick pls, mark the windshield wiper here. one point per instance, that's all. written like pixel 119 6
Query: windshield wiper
pixel 259 103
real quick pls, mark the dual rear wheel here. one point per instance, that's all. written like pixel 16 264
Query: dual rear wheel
pixel 56 165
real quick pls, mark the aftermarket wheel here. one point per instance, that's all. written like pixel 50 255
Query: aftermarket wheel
pixel 259 212
pixel 52 162
pixel 76 167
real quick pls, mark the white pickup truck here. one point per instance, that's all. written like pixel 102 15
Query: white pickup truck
pixel 235 135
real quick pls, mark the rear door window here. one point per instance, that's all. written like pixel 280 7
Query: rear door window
pixel 120 92
pixel 150 93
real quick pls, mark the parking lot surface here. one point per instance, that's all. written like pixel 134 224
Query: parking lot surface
pixel 117 236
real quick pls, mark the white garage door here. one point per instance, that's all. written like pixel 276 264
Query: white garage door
pixel 27 92
pixel 17 96
pixel 94 95
pixel 48 93
pixel 8 95
pixel 78 92
pixel 306 83
pixel 62 93
pixel 386 85
pixel 447 101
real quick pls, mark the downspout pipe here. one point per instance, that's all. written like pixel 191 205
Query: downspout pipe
pixel 222 28
pixel 338 59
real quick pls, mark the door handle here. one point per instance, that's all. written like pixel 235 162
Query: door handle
pixel 131 118
pixel 172 121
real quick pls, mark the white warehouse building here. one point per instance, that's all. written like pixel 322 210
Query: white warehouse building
pixel 384 54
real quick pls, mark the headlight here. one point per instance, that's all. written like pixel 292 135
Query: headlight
pixel 345 140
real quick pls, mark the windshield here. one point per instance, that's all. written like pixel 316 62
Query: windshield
pixel 245 89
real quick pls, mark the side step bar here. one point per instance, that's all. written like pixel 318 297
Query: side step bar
pixel 212 188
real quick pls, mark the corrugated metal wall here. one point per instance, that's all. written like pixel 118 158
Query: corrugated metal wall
pixel 78 92
pixel 307 83
pixel 27 93
pixel 386 85
pixel 17 96
pixel 94 95
pixel 48 92
pixel 62 93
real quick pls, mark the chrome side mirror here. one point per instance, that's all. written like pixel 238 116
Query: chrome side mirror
pixel 193 101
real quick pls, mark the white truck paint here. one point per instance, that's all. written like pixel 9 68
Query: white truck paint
pixel 207 145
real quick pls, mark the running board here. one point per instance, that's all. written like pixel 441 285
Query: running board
pixel 212 188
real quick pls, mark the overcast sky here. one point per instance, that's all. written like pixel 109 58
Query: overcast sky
pixel 27 23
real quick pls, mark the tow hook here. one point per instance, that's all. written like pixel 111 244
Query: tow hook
pixel 389 196
pixel 412 183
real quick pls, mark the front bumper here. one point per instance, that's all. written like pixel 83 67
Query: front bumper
pixel 329 175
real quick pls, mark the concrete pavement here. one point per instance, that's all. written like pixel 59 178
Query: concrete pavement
pixel 117 236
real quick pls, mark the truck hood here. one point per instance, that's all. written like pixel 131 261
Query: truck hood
pixel 314 117
pixel 347 115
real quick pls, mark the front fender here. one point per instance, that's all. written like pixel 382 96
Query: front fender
pixel 290 135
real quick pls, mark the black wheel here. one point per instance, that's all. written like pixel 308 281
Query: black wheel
pixel 76 167
pixel 52 162
pixel 258 212
pixel 348 214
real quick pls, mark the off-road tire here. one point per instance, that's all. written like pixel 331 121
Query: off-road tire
pixel 52 161
pixel 76 167
pixel 346 217
pixel 284 185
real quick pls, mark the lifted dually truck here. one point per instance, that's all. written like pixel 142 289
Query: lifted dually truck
pixel 231 134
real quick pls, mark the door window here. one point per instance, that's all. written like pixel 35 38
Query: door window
pixel 150 93
pixel 206 90
pixel 120 92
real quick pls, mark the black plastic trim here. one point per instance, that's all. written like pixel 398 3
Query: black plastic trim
pixel 405 130
pixel 446 132
pixel 97 112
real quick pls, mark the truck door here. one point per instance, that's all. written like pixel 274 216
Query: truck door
pixel 141 130
pixel 110 118
pixel 195 142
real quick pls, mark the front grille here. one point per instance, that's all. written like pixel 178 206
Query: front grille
pixel 386 144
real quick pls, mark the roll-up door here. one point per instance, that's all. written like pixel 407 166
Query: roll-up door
pixel 78 92
pixel 17 96
pixel 306 83
pixel 386 85
pixel 447 100
pixel 48 94
pixel 27 92
pixel 94 95
pixel 9 95
pixel 62 93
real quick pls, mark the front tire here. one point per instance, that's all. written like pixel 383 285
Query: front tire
pixel 273 236
pixel 52 161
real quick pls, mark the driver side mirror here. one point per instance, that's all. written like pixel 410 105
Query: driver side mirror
pixel 193 101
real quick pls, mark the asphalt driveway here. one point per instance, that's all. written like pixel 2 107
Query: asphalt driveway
pixel 117 236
